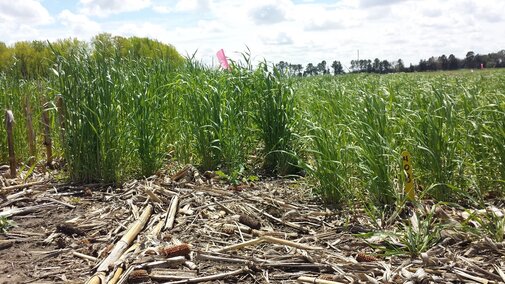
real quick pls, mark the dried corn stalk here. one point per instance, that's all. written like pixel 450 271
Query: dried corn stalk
pixel 121 246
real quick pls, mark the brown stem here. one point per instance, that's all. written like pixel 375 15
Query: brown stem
pixel 9 121
pixel 48 142
pixel 60 107
pixel 30 133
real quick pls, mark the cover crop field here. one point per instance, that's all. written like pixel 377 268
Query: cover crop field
pixel 110 118
pixel 114 118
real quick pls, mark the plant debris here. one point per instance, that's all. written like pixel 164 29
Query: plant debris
pixel 196 229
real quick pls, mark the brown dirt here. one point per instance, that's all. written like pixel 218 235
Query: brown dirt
pixel 33 258
pixel 44 240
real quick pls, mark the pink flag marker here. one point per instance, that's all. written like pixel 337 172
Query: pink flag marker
pixel 222 59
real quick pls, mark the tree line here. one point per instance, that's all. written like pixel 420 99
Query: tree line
pixel 34 59
pixel 472 60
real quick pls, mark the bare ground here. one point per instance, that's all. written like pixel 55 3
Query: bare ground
pixel 267 232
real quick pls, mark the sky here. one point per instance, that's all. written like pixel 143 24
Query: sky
pixel 295 31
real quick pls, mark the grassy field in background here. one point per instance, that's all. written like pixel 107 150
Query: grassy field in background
pixel 451 122
pixel 126 117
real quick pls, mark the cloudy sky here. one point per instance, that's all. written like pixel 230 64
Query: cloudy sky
pixel 297 31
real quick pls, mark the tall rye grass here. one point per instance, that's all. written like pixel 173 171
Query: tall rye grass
pixel 126 116
pixel 20 96
pixel 274 115
pixel 223 115
pixel 118 116
pixel 359 124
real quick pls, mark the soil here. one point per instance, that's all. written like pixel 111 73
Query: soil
pixel 57 240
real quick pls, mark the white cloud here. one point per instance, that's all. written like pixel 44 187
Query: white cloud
pixel 210 27
pixel 192 6
pixel 432 12
pixel 145 29
pixel 485 10
pixel 162 9
pixel 325 18
pixel 268 14
pixel 104 8
pixel 183 6
pixel 323 25
pixel 280 38
pixel 21 20
pixel 408 29
pixel 28 12
pixel 80 25
pixel 371 3
pixel 301 32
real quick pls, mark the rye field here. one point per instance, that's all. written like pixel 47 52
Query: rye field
pixel 336 140
pixel 112 119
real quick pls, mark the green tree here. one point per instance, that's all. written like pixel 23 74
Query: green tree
pixel 295 69
pixel 478 60
pixel 31 59
pixel 282 66
pixel 368 66
pixel 6 57
pixel 310 70
pixel 432 64
pixel 423 65
pixel 444 62
pixel 385 67
pixel 453 63
pixel 337 67
pixel 298 69
pixel 321 67
pixel 470 59
pixel 376 66
pixel 400 66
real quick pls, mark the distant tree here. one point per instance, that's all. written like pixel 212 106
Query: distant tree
pixel 66 47
pixel 295 69
pixel 362 65
pixel 423 65
pixel 337 67
pixel 400 67
pixel 376 67
pixel 432 64
pixel 299 69
pixel 355 66
pixel 321 67
pixel 42 57
pixel 453 62
pixel 385 67
pixel 3 47
pixel 31 59
pixel 469 59
pixel 478 60
pixel 282 66
pixel 368 66
pixel 6 57
pixel 500 59
pixel 444 62
pixel 412 68
pixel 135 47
pixel 310 70
pixel 487 60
